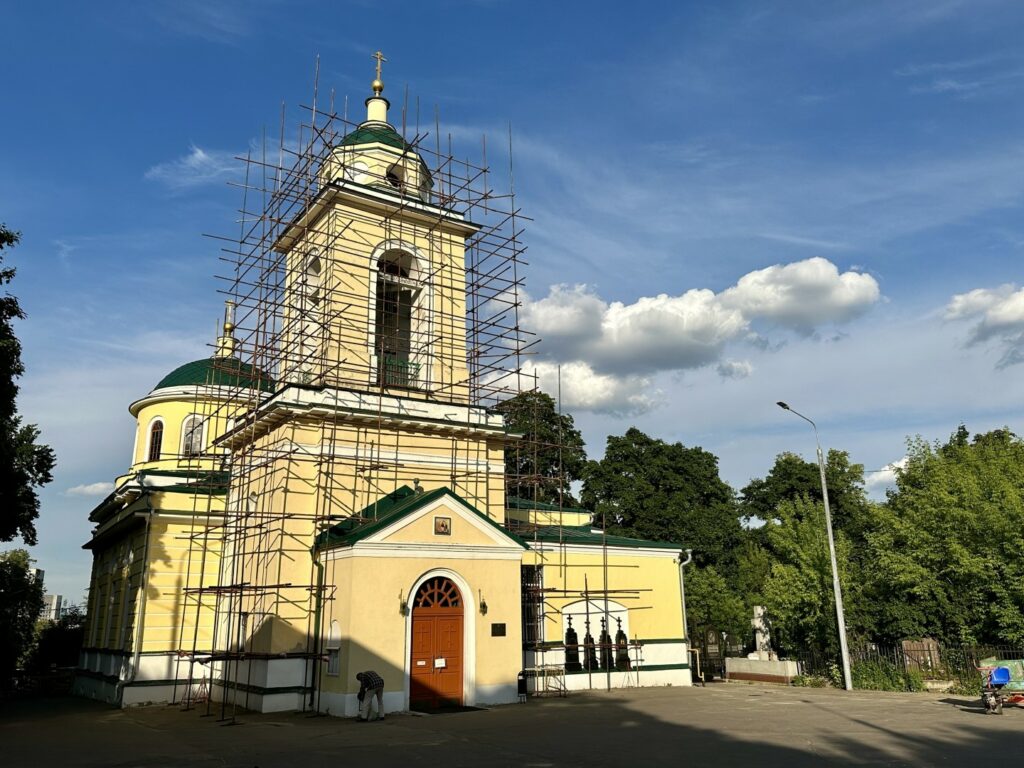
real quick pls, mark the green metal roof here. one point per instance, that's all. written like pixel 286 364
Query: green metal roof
pixel 514 502
pixel 383 134
pixel 218 372
pixel 389 509
pixel 585 535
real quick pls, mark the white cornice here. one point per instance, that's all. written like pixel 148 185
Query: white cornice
pixel 183 394
pixel 357 407
pixel 361 196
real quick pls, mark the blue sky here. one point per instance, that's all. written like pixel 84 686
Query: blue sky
pixel 734 203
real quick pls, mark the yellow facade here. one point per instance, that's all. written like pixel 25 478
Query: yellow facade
pixel 274 537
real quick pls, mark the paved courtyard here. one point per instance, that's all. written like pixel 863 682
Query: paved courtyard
pixel 725 724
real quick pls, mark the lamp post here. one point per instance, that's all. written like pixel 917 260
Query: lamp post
pixel 840 618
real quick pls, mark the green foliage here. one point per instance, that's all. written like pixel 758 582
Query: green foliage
pixel 551 455
pixel 792 478
pixel 798 594
pixel 809 681
pixel 882 675
pixel 946 562
pixel 712 606
pixel 752 567
pixel 664 491
pixel 21 600
pixel 24 464
pixel 58 642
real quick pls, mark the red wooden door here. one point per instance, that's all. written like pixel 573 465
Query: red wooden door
pixel 436 662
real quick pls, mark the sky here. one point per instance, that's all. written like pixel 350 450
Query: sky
pixel 732 204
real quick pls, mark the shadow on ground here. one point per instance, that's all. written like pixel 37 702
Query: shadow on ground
pixel 730 725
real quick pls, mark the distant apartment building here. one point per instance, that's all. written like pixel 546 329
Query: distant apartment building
pixel 52 607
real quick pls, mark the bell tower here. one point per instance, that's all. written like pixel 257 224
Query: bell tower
pixel 375 271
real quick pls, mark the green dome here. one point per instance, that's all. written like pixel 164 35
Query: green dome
pixel 217 372
pixel 384 134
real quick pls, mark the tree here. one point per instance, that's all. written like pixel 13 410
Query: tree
pixel 799 594
pixel 24 464
pixel 713 607
pixel 21 600
pixel 792 478
pixel 59 642
pixel 664 491
pixel 550 456
pixel 948 556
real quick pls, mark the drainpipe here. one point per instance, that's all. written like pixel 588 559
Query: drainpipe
pixel 682 597
pixel 141 610
pixel 315 672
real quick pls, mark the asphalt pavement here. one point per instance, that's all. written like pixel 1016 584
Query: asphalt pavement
pixel 724 724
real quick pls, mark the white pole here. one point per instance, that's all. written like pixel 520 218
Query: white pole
pixel 836 588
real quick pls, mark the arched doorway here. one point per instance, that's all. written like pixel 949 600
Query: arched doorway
pixel 435 668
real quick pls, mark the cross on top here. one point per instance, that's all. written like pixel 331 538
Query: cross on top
pixel 380 59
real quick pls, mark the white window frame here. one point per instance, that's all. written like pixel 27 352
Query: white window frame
pixel 149 437
pixel 185 437
pixel 333 647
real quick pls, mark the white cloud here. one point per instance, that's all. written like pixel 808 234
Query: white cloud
pixel 615 347
pixel 803 295
pixel 879 480
pixel 1000 315
pixel 198 167
pixel 90 489
pixel 735 369
pixel 585 389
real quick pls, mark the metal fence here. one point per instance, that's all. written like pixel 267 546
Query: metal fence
pixel 911 665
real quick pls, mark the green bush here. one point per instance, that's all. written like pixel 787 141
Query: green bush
pixel 809 681
pixel 883 675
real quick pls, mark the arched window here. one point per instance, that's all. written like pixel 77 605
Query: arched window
pixel 438 592
pixel 192 436
pixel 396 295
pixel 156 440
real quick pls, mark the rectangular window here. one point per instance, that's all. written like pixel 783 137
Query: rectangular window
pixel 333 662
pixel 532 579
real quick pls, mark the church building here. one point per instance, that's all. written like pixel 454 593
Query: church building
pixel 326 493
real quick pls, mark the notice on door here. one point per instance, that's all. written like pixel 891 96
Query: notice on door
pixel 440 663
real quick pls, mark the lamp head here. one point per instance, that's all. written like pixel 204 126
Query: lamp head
pixel 782 405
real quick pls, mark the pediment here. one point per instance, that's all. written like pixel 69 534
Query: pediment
pixel 444 521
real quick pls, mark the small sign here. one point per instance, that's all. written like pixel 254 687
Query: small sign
pixel 442 526
pixel 421 663
pixel 440 663
pixel 497 630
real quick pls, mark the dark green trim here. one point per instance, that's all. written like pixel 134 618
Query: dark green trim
pixel 583 536
pixel 641 668
pixel 260 690
pixel 549 645
pixel 154 683
pixel 664 640
pixel 391 508
pixel 663 666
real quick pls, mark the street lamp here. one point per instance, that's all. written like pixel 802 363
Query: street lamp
pixel 840 619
